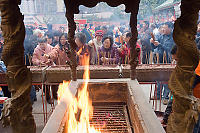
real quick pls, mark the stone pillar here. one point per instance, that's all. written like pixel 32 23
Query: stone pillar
pixel 134 52
pixel 17 111
pixel 184 107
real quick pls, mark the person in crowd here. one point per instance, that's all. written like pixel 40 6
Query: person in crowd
pixel 108 54
pixel 155 34
pixel 1 44
pixel 198 35
pixel 97 28
pixel 38 33
pixel 59 56
pixel 40 51
pixel 56 35
pixel 40 59
pixel 168 109
pixel 105 31
pixel 6 92
pixel 58 53
pixel 91 30
pixel 124 50
pixel 49 27
pixel 196 93
pixel 117 35
pixel 110 31
pixel 164 43
pixel 196 83
pixel 154 30
pixel 28 52
pixel 145 42
pixel 49 37
pixel 94 45
pixel 82 47
pixel 87 33
pixel 29 46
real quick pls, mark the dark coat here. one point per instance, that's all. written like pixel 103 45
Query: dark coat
pixel 111 53
pixel 166 43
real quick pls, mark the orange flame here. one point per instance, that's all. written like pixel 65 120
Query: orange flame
pixel 79 51
pixel 80 109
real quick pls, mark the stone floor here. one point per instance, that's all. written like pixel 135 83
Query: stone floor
pixel 38 111
pixel 39 116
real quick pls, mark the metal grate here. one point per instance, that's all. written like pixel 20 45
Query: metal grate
pixel 111 119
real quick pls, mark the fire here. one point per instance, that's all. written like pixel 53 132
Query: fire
pixel 79 51
pixel 80 109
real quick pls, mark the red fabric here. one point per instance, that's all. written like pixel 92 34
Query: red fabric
pixel 2 99
pixel 196 91
pixel 126 51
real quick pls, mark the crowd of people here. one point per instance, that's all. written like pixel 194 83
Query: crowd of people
pixel 103 46
pixel 106 45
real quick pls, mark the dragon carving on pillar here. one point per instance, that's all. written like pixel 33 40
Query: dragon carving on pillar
pixel 17 111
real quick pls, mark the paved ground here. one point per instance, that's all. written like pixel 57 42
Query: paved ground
pixel 39 116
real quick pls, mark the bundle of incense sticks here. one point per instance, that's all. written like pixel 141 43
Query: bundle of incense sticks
pixel 97 58
pixel 151 58
pixel 146 59
pixel 125 60
pixel 165 56
pixel 30 59
pixel 157 55
pixel 109 56
pixel 104 58
pixel 25 60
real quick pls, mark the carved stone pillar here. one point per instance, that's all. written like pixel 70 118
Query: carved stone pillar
pixel 133 51
pixel 184 107
pixel 17 111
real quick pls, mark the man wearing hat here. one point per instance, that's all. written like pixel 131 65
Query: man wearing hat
pixel 94 45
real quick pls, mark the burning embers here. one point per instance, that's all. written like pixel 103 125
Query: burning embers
pixel 80 109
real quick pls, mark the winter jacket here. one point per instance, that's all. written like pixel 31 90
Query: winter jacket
pixel 59 56
pixel 112 54
pixel 38 55
pixel 166 43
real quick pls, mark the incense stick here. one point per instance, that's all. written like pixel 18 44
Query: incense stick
pixel 98 58
pixel 157 55
pixel 125 62
pixel 151 58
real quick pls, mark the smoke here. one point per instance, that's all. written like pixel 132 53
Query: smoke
pixel 104 13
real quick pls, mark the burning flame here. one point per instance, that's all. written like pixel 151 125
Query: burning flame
pixel 79 51
pixel 80 109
